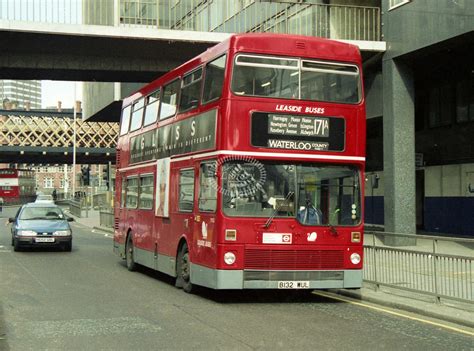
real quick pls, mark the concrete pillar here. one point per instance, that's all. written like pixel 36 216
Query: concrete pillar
pixel 399 149
pixel 116 13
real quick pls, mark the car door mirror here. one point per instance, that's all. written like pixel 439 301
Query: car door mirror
pixel 11 219
pixel 70 219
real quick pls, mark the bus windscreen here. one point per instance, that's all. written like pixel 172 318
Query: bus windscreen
pixel 314 194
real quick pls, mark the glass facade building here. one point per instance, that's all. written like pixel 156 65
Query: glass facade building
pixel 15 94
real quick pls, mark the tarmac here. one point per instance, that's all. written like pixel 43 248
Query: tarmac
pixel 455 312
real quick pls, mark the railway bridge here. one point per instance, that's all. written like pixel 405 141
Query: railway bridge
pixel 42 137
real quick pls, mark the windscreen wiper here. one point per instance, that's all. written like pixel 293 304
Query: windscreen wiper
pixel 275 211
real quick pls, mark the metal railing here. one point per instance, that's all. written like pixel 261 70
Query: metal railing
pixel 437 266
pixel 75 208
pixel 103 199
pixel 226 16
pixel 107 217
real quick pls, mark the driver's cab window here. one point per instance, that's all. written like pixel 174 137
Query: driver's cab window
pixel 328 196
pixel 310 200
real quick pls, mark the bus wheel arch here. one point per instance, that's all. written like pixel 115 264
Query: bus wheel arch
pixel 129 252
pixel 183 268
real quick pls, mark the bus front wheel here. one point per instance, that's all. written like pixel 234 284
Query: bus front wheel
pixel 184 270
pixel 129 259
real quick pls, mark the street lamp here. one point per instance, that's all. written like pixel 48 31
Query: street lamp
pixel 74 144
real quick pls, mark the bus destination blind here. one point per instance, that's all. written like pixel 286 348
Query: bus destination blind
pixel 297 132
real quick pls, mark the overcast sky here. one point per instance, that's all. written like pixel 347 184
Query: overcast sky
pixel 54 91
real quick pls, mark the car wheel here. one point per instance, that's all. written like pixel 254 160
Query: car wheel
pixel 16 245
pixel 129 255
pixel 184 270
pixel 68 246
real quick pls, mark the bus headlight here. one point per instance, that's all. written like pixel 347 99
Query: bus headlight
pixel 229 258
pixel 355 258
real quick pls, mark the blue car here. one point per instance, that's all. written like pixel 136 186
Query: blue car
pixel 40 225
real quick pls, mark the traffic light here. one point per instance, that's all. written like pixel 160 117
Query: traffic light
pixel 85 175
pixel 105 176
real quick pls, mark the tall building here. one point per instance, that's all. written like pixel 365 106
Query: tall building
pixel 18 93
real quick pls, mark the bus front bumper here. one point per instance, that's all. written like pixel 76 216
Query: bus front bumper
pixel 253 279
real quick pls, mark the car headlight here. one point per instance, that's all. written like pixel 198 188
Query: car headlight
pixel 229 258
pixel 355 258
pixel 26 233
pixel 62 233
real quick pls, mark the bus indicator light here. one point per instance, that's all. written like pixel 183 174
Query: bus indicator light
pixel 230 234
pixel 355 237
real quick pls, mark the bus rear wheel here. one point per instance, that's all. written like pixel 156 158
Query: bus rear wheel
pixel 184 270
pixel 129 259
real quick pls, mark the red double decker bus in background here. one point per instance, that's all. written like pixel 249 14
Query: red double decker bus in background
pixel 243 168
pixel 17 186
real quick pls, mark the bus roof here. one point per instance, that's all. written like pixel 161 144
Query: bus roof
pixel 296 45
pixel 262 43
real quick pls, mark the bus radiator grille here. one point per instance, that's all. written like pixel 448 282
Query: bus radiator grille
pixel 268 259
pixel 292 275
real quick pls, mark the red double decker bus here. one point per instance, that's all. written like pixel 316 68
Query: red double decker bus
pixel 243 168
pixel 17 186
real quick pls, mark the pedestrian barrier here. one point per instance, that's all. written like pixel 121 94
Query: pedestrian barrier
pixel 75 208
pixel 107 217
pixel 441 267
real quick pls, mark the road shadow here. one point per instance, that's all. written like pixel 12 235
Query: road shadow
pixel 240 296
pixel 259 296
pixel 44 249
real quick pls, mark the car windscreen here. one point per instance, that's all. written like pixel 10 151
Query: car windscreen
pixel 30 213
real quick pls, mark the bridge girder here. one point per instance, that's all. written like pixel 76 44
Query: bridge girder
pixel 105 54
pixel 52 155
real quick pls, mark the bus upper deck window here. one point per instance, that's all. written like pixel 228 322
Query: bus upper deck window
pixel 330 81
pixel 191 90
pixel 137 115
pixel 169 99
pixel 151 108
pixel 276 77
pixel 214 80
pixel 125 123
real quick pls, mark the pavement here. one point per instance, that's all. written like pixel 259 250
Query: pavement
pixel 449 311
pixel 92 220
